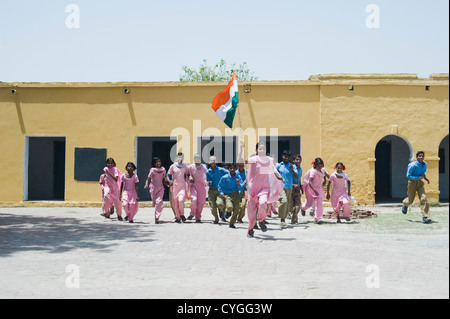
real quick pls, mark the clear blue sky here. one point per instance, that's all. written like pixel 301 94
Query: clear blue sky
pixel 142 40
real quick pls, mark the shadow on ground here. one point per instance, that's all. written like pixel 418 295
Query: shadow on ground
pixel 20 233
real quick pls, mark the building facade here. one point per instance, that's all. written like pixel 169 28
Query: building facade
pixel 55 137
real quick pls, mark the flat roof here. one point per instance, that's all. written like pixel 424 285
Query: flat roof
pixel 440 79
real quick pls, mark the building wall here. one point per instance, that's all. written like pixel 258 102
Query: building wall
pixel 333 122
pixel 354 121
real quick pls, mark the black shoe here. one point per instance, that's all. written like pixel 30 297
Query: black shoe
pixel 404 209
pixel 177 221
pixel 227 215
pixel 119 218
pixel 250 233
pixel 183 218
pixel 263 226
pixel 232 226
pixel 126 218
pixel 240 221
pixel 303 212
pixel 131 221
pixel 190 217
pixel 216 222
pixel 198 221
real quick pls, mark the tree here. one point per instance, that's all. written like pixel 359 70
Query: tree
pixel 219 72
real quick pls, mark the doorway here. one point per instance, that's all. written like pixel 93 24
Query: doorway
pixel 146 149
pixel 45 167
pixel 443 171
pixel 224 148
pixel 276 145
pixel 393 154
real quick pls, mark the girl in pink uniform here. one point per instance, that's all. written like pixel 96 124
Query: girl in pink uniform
pixel 102 187
pixel 111 189
pixel 313 190
pixel 179 172
pixel 129 192
pixel 306 181
pixel 262 187
pixel 197 180
pixel 156 176
pixel 340 195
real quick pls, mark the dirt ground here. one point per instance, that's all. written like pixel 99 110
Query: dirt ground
pixel 67 252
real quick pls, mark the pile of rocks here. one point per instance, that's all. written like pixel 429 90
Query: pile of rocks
pixel 356 214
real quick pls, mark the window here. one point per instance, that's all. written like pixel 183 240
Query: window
pixel 89 163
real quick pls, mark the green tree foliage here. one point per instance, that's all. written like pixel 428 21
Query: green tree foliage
pixel 219 72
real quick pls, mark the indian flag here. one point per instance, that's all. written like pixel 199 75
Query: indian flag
pixel 226 102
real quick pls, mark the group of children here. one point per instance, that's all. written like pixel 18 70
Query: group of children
pixel 230 189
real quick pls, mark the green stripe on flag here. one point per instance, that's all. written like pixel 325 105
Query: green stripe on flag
pixel 232 111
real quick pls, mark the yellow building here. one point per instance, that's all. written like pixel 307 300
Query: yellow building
pixel 55 137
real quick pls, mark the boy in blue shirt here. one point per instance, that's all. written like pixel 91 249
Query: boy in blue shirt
pixel 297 189
pixel 213 176
pixel 288 172
pixel 416 174
pixel 230 186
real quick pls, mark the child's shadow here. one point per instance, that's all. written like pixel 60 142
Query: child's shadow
pixel 421 222
pixel 270 237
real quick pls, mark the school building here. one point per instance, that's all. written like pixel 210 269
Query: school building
pixel 55 137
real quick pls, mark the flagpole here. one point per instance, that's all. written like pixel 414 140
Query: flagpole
pixel 241 135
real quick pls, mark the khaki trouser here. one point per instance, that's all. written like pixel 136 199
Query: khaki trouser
pixel 417 187
pixel 242 205
pixel 215 202
pixel 285 200
pixel 296 201
pixel 232 204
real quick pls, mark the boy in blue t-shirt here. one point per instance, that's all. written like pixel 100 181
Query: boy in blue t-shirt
pixel 230 186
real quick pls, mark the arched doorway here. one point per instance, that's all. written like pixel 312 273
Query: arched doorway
pixel 443 170
pixel 393 154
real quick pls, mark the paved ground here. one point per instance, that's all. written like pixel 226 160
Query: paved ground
pixel 75 253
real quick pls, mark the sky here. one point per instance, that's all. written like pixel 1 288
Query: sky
pixel 150 41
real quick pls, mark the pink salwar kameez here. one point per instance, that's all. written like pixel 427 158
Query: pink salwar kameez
pixel 156 189
pixel 197 189
pixel 179 173
pixel 111 191
pixel 263 188
pixel 339 194
pixel 310 197
pixel 130 202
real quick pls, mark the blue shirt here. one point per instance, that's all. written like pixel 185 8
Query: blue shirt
pixel 299 175
pixel 286 173
pixel 228 185
pixel 214 176
pixel 416 170
pixel 243 176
